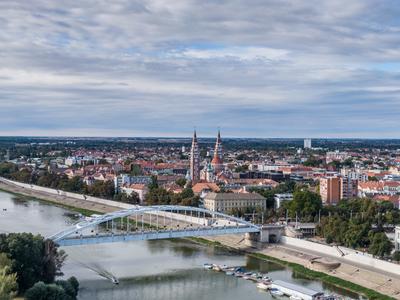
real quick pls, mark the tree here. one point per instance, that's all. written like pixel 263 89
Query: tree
pixel 396 256
pixel 133 198
pixel 154 183
pixel 380 244
pixel 42 291
pixel 8 280
pixel 158 196
pixel 103 189
pixel 312 162
pixel 305 203
pixel 33 258
pixel 181 182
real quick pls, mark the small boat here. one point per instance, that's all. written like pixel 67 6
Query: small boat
pixel 114 280
pixel 229 273
pixel 331 297
pixel 207 266
pixel 263 286
pixel 239 274
pixel 276 292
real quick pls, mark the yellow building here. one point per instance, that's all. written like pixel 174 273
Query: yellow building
pixel 225 202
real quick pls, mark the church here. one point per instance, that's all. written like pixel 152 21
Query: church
pixel 213 170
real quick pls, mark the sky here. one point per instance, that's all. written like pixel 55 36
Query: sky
pixel 254 68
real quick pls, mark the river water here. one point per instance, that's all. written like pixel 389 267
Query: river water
pixel 147 270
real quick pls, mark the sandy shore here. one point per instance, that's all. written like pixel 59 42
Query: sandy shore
pixel 384 283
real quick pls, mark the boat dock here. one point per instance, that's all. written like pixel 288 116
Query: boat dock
pixel 295 290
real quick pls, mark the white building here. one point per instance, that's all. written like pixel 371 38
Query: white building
pixel 140 189
pixel 397 238
pixel 280 198
pixel 354 174
pixel 307 144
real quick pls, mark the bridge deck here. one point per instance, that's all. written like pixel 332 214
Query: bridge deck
pixel 152 235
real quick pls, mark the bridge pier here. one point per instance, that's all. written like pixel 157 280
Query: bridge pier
pixel 268 234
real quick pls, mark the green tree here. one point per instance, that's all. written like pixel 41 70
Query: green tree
pixel 133 198
pixel 43 291
pixel 33 258
pixel 158 196
pixel 154 183
pixel 181 182
pixel 8 280
pixel 396 256
pixel 380 244
pixel 306 204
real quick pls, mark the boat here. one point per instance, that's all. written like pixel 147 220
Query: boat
pixel 263 286
pixel 331 297
pixel 238 274
pixel 114 280
pixel 207 266
pixel 276 292
pixel 229 273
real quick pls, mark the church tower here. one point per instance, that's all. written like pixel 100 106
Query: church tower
pixel 195 160
pixel 217 162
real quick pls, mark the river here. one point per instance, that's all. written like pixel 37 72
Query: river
pixel 148 270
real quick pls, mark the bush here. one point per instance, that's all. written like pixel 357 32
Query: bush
pixel 42 291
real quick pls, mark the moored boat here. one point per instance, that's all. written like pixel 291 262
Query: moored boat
pixel 276 292
pixel 263 286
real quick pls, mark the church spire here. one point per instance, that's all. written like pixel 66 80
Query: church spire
pixel 217 161
pixel 194 159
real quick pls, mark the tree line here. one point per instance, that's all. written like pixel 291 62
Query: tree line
pixel 29 265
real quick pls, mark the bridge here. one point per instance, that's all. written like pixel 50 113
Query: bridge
pixel 152 222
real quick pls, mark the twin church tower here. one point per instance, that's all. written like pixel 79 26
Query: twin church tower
pixel 216 165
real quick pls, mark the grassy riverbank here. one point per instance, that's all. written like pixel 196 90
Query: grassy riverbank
pixel 311 274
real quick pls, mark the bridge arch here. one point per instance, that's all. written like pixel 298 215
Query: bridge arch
pixel 207 223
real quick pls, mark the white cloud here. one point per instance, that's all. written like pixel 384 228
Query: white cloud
pixel 154 66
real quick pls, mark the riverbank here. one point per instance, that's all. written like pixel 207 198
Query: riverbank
pixel 371 284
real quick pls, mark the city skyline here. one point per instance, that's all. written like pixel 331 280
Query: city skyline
pixel 148 68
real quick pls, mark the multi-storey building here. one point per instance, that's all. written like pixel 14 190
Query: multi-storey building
pixel 226 202
pixel 307 144
pixel 397 238
pixel 195 160
pixel 354 174
pixel 348 188
pixel 329 189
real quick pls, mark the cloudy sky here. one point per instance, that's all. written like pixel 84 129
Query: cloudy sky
pixel 160 67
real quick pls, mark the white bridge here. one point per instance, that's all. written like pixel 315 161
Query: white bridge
pixel 152 222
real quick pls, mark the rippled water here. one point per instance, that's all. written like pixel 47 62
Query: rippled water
pixel 163 269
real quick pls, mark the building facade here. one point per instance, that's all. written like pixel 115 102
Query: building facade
pixel 226 202
pixel 281 198
pixel 397 238
pixel 307 144
pixel 329 189
pixel 348 188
